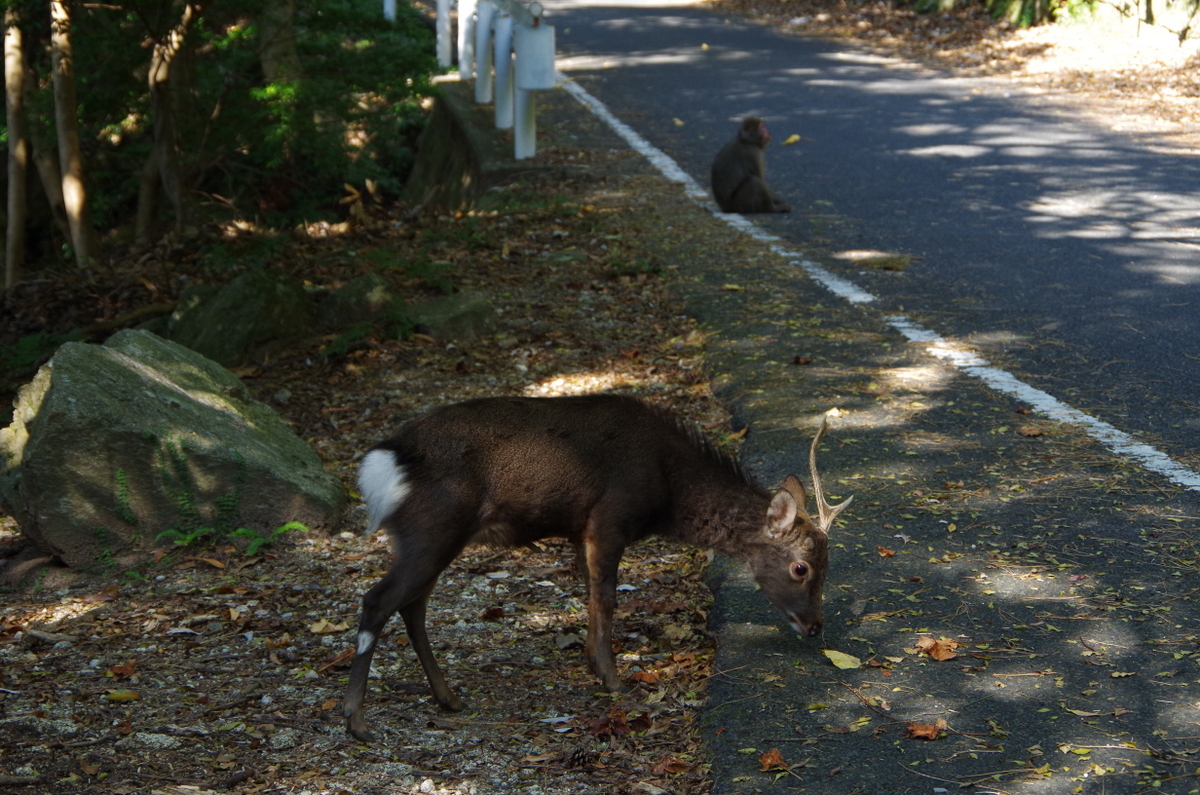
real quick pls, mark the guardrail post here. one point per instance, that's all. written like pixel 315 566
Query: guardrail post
pixel 502 46
pixel 534 48
pixel 485 11
pixel 466 39
pixel 442 28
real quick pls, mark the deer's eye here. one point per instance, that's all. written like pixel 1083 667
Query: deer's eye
pixel 799 570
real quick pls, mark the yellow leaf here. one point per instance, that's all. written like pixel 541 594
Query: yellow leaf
pixel 122 695
pixel 732 288
pixel 841 660
pixel 323 627
pixel 678 122
pixel 792 139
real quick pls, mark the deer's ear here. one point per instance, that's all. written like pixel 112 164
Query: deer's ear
pixel 792 485
pixel 781 514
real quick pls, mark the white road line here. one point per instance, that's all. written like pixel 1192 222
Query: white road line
pixel 1116 440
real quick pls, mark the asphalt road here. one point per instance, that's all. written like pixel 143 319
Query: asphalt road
pixel 1063 576
pixel 1062 251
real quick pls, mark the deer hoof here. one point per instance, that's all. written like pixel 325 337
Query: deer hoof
pixel 359 732
pixel 451 703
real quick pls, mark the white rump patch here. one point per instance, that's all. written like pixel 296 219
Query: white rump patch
pixel 366 642
pixel 383 485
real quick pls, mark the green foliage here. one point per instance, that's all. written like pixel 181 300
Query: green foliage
pixel 434 275
pixel 258 541
pixel 180 485
pixel 277 150
pixel 400 325
pixel 124 510
pixel 32 350
pixel 340 345
pixel 255 252
pixel 1020 13
pixel 183 538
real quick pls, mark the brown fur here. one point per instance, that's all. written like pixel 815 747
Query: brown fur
pixel 602 471
pixel 739 172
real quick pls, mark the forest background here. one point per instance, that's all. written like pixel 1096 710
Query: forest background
pixel 162 122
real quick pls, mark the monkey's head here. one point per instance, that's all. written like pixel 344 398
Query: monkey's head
pixel 754 131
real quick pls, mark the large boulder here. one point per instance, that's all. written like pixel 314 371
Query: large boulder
pixel 253 316
pixel 363 300
pixel 111 445
pixel 453 318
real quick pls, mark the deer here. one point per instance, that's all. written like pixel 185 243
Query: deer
pixel 601 471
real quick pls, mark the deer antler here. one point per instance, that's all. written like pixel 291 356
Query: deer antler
pixel 826 513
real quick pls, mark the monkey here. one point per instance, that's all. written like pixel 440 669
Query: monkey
pixel 738 173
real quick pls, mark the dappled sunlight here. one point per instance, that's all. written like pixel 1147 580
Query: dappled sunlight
pixel 948 150
pixel 583 63
pixel 624 3
pixel 1171 273
pixel 591 382
pixel 54 617
pixel 929 377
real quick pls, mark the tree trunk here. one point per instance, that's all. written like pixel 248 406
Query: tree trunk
pixel 18 145
pixel 83 236
pixel 163 164
pixel 51 179
pixel 280 61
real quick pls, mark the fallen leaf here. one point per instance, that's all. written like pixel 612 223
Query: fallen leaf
pixel 802 360
pixel 1082 713
pixel 791 139
pixel 107 595
pixel 884 552
pixel 842 660
pixel 678 122
pixel 1030 430
pixel 923 731
pixel 539 758
pixel 940 650
pixel 122 695
pixel 613 725
pixel 342 658
pixel 325 627
pixel 671 764
pixel 772 760
pixel 123 671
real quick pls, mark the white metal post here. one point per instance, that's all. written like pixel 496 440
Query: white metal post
pixel 525 125
pixel 485 10
pixel 466 39
pixel 533 70
pixel 442 28
pixel 389 10
pixel 502 45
